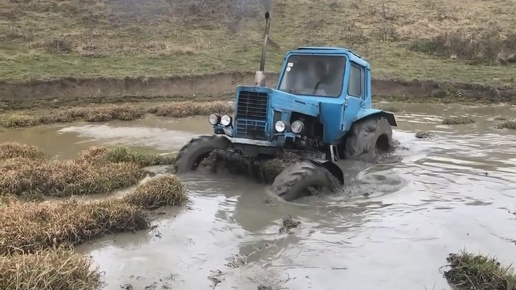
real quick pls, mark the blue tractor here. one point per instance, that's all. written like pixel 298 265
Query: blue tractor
pixel 320 110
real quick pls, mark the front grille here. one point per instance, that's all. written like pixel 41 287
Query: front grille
pixel 251 115
pixel 252 105
pixel 250 129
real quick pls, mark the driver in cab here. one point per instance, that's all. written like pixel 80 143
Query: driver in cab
pixel 322 78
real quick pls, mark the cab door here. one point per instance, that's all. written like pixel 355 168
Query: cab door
pixel 355 95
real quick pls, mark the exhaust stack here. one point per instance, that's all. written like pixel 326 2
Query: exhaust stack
pixel 260 75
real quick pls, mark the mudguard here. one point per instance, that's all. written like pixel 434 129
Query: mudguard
pixel 363 113
pixel 333 168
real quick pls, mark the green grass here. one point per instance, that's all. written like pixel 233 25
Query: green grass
pixel 478 272
pixel 405 39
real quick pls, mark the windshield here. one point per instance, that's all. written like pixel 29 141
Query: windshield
pixel 314 75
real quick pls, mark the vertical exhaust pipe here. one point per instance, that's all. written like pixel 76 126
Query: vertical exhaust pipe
pixel 260 75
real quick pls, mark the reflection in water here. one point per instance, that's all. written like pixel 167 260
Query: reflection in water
pixel 391 227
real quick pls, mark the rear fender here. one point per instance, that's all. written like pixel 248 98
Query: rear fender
pixel 333 168
pixel 364 113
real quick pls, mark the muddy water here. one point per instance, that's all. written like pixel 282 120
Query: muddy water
pixel 392 227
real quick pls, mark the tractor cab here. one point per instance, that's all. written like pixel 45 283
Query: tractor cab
pixel 324 72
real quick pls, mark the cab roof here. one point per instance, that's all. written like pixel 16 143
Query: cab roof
pixel 353 56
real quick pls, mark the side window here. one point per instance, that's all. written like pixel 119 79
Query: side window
pixel 356 81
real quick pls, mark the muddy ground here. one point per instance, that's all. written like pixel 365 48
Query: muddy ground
pixel 393 225
pixel 77 91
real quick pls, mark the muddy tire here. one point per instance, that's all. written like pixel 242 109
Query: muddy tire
pixel 199 148
pixel 297 180
pixel 368 138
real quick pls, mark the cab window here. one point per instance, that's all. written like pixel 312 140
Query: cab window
pixel 314 75
pixel 356 81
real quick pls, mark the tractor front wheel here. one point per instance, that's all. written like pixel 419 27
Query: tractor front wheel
pixel 300 178
pixel 198 149
pixel 368 138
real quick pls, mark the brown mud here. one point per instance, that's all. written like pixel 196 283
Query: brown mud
pixel 442 194
pixel 78 91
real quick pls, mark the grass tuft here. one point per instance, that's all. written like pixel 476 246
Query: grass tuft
pixel 458 120
pixel 105 113
pixel 186 109
pixel 26 172
pixel 22 176
pixel 58 268
pixel 507 125
pixel 27 227
pixel 157 192
pixel 10 150
pixel 477 272
pixel 122 154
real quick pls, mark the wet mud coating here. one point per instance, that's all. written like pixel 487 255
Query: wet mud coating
pixel 392 226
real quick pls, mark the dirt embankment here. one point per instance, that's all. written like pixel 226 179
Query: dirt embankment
pixel 75 91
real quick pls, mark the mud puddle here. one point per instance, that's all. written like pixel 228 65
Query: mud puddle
pixel 151 132
pixel 393 226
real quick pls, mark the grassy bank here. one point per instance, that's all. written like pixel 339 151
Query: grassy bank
pixel 37 238
pixel 464 41
pixel 26 171
pixel 469 271
pixel 28 227
pixel 103 113
pixel 48 270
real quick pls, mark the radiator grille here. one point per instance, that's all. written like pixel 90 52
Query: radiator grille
pixel 251 115
pixel 251 129
pixel 252 105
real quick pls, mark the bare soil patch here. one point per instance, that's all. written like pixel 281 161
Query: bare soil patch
pixel 123 96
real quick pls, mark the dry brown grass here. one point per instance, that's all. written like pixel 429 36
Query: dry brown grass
pixel 27 227
pixel 27 177
pixel 117 154
pixel 158 192
pixel 105 113
pixel 507 125
pixel 186 109
pixel 10 150
pixel 33 233
pixel 54 269
pixel 25 172
pixel 458 120
pixel 37 238
pixel 488 45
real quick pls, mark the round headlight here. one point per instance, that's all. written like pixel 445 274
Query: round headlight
pixel 297 127
pixel 214 119
pixel 280 126
pixel 225 120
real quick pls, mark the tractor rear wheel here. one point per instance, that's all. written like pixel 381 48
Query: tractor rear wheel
pixel 198 149
pixel 368 138
pixel 298 179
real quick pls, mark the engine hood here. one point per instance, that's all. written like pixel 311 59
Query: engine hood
pixel 282 101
